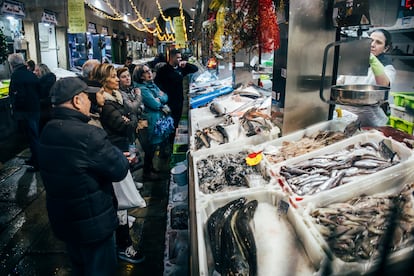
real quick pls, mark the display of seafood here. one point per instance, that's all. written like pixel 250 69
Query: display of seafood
pixel 325 172
pixel 224 173
pixel 309 143
pixel 231 238
pixel 204 137
pixel 255 121
pixel 253 238
pixel 355 230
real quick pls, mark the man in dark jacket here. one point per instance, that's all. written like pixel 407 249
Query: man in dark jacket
pixel 169 79
pixel 79 195
pixel 24 95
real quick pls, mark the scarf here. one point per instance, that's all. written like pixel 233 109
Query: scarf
pixel 115 97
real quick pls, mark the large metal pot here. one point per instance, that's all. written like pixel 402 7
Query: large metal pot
pixel 359 94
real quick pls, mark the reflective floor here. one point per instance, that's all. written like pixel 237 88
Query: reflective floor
pixel 28 246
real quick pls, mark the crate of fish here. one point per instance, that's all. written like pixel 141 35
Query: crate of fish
pixel 359 158
pixel 249 123
pixel 228 171
pixel 254 233
pixel 307 140
pixel 367 227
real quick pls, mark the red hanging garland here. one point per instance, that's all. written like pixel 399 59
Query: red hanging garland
pixel 269 35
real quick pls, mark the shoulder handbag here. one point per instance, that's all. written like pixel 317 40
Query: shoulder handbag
pixel 127 194
pixel 164 126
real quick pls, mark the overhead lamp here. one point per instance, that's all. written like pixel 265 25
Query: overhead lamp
pixel 192 9
pixel 191 20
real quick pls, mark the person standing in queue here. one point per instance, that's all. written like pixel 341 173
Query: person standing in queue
pixel 169 78
pixel 381 72
pixel 47 79
pixel 154 100
pixel 24 92
pixel 80 199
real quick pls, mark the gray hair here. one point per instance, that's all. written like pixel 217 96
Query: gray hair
pixel 43 69
pixel 15 59
pixel 88 66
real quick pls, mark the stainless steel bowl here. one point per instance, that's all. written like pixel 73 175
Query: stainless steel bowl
pixel 359 94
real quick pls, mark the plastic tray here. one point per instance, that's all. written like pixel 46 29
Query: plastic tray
pixel 219 154
pixel 403 99
pixel 401 112
pixel 304 257
pixel 332 125
pixel 405 154
pixel 390 184
pixel 401 124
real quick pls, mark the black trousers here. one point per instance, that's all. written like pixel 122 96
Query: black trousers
pixel 96 259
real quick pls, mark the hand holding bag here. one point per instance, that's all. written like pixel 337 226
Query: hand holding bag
pixel 127 194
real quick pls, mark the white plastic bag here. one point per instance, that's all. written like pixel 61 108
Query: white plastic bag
pixel 127 194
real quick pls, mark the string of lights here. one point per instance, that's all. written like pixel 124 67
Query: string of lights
pixel 146 24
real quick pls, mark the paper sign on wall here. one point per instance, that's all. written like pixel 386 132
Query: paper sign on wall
pixel 179 32
pixel 76 16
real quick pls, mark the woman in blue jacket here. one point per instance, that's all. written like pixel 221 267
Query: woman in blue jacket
pixel 154 100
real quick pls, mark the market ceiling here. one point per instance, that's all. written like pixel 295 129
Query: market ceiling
pixel 148 8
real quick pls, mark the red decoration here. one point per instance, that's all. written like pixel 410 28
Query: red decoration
pixel 269 35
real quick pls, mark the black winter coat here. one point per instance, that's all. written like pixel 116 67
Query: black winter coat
pixel 24 90
pixel 120 133
pixel 80 199
pixel 170 81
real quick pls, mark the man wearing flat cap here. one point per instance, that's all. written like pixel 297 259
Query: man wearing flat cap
pixel 78 165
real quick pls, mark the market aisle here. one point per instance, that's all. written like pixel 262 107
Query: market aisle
pixel 28 246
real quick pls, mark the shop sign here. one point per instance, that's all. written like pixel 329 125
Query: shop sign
pixel 49 17
pixel 104 30
pixel 179 32
pixel 92 28
pixel 14 8
pixel 76 16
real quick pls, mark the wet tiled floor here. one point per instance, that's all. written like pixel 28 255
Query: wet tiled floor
pixel 28 246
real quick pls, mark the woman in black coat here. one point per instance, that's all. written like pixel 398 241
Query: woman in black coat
pixel 47 79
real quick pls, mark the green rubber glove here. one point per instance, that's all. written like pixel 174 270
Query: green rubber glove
pixel 376 65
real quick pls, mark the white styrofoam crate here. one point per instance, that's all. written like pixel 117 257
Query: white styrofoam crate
pixel 219 153
pixel 387 185
pixel 302 254
pixel 276 144
pixel 404 153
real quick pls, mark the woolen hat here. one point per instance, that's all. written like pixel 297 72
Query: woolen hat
pixel 66 88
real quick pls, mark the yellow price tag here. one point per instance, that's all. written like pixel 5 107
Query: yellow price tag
pixel 254 158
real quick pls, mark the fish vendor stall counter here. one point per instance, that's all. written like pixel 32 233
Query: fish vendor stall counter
pixel 282 205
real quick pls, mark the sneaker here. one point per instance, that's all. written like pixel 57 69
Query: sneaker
pixel 139 185
pixel 131 255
